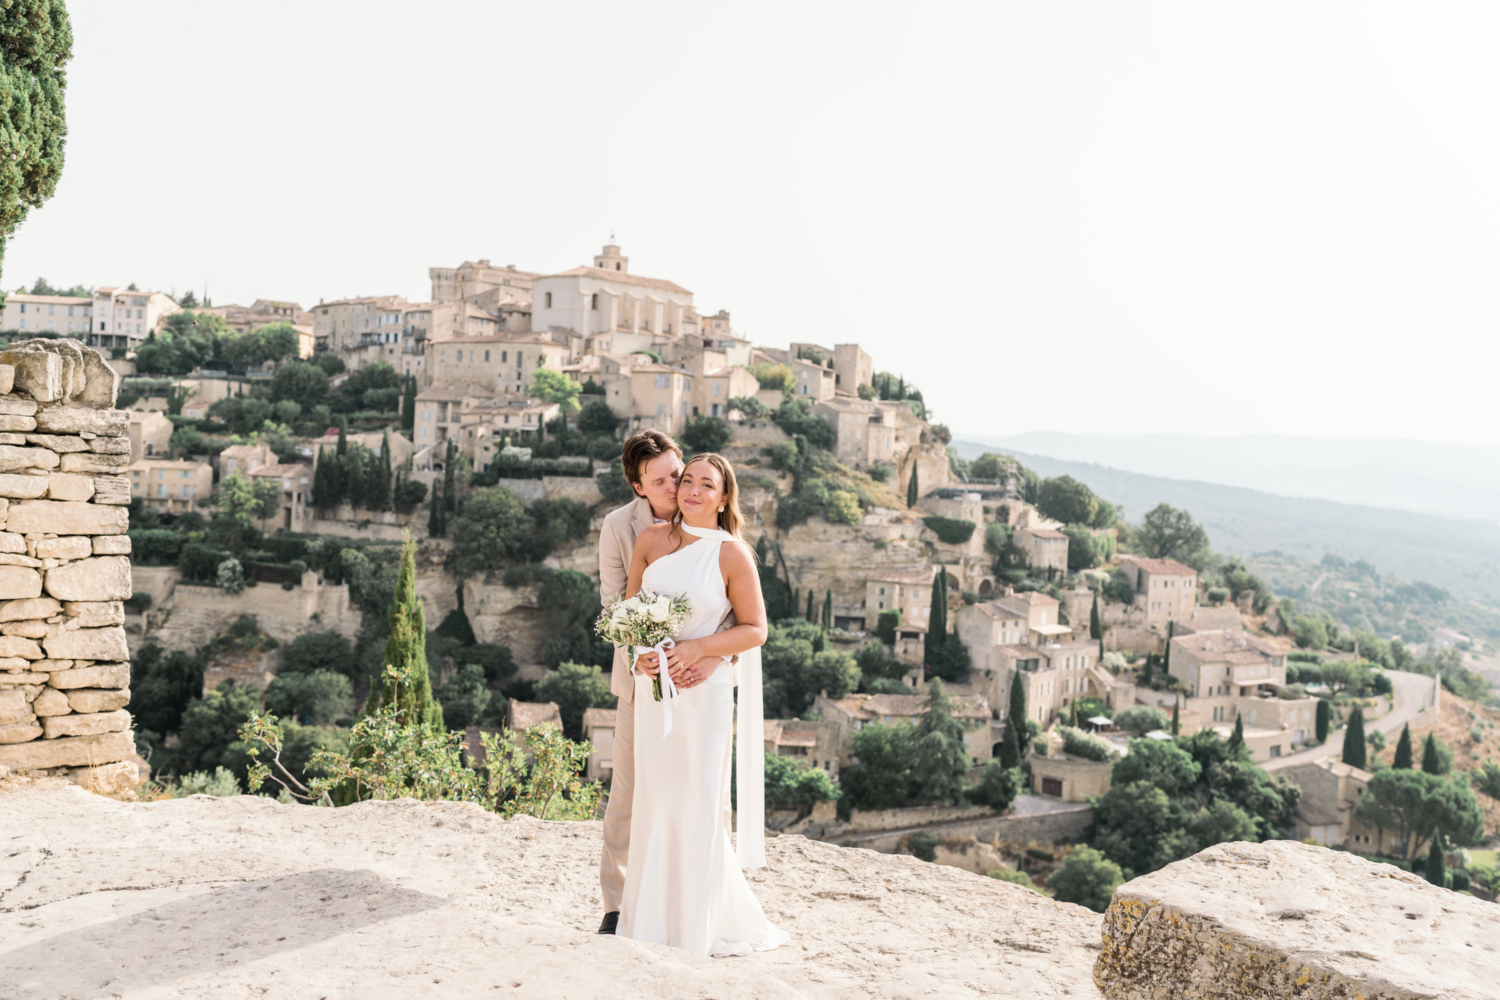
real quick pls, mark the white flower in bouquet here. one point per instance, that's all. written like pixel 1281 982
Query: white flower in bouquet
pixel 645 620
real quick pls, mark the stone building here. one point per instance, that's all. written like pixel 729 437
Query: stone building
pixel 1072 779
pixel 907 589
pixel 150 434
pixel 812 381
pixel 605 298
pixel 243 459
pixel 64 675
pixel 599 730
pixel 850 714
pixel 1231 673
pixel 295 483
pixel 482 284
pixel 343 325
pixel 50 313
pixel 173 486
pixel 501 362
pixel 1164 588
pixel 815 744
pixel 865 430
pixel 1046 549
pixel 1331 791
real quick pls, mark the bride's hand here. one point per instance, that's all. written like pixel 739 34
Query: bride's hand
pixel 646 664
pixel 680 659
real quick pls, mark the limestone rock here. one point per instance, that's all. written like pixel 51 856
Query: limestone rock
pixel 66 517
pixel 36 607
pixel 14 677
pixel 78 420
pixel 110 445
pixel 60 443
pixel 98 578
pixel 19 582
pixel 57 726
pixel 20 732
pixel 22 487
pixel 15 645
pixel 67 547
pixel 107 779
pixel 52 666
pixel 12 542
pixel 87 461
pixel 69 486
pixel 29 629
pixel 17 424
pixel 100 675
pixel 95 614
pixel 88 644
pixel 112 490
pixel 13 707
pixel 17 406
pixel 94 699
pixel 1283 920
pixel 16 559
pixel 13 458
pixel 39 374
pixel 111 545
pixel 54 702
pixel 9 437
pixel 7 378
pixel 69 751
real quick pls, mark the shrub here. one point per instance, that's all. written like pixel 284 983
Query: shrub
pixel 317 698
pixel 843 508
pixel 750 407
pixel 317 651
pixel 1141 719
pixel 139 601
pixel 612 484
pixel 996 787
pixel 706 433
pixel 1086 878
pixel 886 624
pixel 231 576
pixel 1218 595
pixel 950 530
pixel 881 473
pixel 1077 743
pixel 790 785
pixel 1013 876
pixel 221 783
pixel 922 845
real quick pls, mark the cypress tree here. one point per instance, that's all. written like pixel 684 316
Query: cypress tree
pixel 1323 720
pixel 436 523
pixel 450 499
pixel 828 610
pixel 343 423
pixel 791 611
pixel 819 643
pixel 1237 738
pixel 1096 629
pixel 1166 666
pixel 809 614
pixel 1176 722
pixel 1403 749
pixel 380 485
pixel 409 405
pixel 325 486
pixel 1436 869
pixel 1354 739
pixel 357 475
pixel 410 690
pixel 1431 763
pixel 911 486
pixel 937 619
pixel 1015 723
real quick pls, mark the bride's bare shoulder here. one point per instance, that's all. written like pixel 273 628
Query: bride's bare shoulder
pixel 654 539
pixel 735 554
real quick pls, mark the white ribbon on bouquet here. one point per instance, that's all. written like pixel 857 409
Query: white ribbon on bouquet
pixel 668 689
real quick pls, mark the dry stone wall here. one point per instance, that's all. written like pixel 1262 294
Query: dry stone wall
pixel 64 566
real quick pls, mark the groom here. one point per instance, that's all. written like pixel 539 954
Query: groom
pixel 652 462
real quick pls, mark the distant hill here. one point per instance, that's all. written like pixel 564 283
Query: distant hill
pixel 1451 480
pixel 1462 556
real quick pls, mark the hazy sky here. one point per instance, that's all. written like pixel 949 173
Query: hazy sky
pixel 1221 218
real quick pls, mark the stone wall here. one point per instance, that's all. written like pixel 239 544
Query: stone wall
pixel 1064 826
pixel 64 566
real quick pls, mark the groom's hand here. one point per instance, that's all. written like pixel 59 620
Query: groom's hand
pixel 695 673
pixel 646 664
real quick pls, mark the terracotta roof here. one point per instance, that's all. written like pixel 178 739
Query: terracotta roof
pixel 993 609
pixel 621 277
pixel 1020 652
pixel 277 469
pixel 1228 645
pixel 454 390
pixel 168 463
pixel 1162 567
pixel 797 738
pixel 601 718
pixel 904 706
pixel 525 714
pixel 1044 533
pixel 904 574
pixel 1031 597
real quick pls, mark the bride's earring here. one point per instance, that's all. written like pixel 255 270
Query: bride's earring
pixel 721 510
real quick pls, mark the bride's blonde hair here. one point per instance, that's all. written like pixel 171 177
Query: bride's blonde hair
pixel 730 518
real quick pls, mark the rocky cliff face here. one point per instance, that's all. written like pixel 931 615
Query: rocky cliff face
pixel 64 565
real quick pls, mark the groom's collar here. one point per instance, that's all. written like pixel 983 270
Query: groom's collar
pixel 643 516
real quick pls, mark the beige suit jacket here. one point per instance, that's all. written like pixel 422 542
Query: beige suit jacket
pixel 617 536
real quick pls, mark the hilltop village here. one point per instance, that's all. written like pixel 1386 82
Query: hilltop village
pixel 1106 695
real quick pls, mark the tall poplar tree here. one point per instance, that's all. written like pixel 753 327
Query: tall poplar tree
pixel 828 610
pixel 1354 739
pixel 1403 759
pixel 1176 721
pixel 1015 723
pixel 1323 720
pixel 1436 869
pixel 450 474
pixel 1237 738
pixel 911 486
pixel 410 688
pixel 380 486
pixel 809 614
pixel 409 405
pixel 325 482
pixel 937 618
pixel 1431 762
pixel 1096 629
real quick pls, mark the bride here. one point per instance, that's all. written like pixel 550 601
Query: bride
pixel 684 886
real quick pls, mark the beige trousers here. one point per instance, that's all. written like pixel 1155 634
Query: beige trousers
pixel 617 815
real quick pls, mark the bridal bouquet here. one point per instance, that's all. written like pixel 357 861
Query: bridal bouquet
pixel 645 620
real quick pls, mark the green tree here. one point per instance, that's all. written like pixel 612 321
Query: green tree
pixel 1083 548
pixel 209 733
pixel 405 683
pixel 942 757
pixel 808 614
pixel 1168 533
pixel 552 386
pixel 796 672
pixel 1403 758
pixel 316 698
pixel 886 623
pixel 1237 738
pixel 1096 628
pixel 1437 758
pixel 1176 720
pixel 880 778
pixel 1067 500
pixel 575 688
pixel 790 785
pixel 466 698
pixel 36 41
pixel 1324 721
pixel 912 494
pixel 937 618
pixel 570 605
pixel 828 610
pixel 1436 869
pixel 1354 739
pixel 597 418
pixel 996 787
pixel 331 363
pixel 409 405
pixel 705 434
pixel 1161 763
pixel 240 503
pixel 162 685
pixel 1013 743
pixel 1415 805
pixel 1486 779
pixel 299 381
pixel 1087 878
pixel 325 496
pixel 315 651
pixel 491 532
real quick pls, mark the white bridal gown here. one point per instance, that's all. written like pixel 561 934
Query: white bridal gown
pixel 683 885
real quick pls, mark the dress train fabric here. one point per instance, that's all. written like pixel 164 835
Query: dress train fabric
pixel 684 884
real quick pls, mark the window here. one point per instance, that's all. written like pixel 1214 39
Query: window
pixel 161 491
pixel 186 492
pixel 661 409
pixel 502 357
pixel 594 301
pixel 663 381
pixel 716 388
pixel 486 355
pixel 549 300
pixel 185 474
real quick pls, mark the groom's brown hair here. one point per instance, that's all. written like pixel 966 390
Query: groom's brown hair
pixel 640 448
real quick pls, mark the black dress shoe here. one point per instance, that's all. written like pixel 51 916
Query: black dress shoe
pixel 610 922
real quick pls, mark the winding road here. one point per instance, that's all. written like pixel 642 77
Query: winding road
pixel 1412 693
